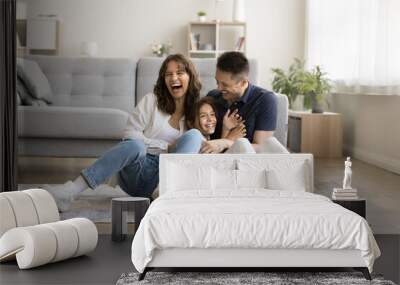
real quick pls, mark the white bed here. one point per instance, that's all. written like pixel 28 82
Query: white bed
pixel 247 211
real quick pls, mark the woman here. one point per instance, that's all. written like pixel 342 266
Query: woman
pixel 157 123
pixel 233 131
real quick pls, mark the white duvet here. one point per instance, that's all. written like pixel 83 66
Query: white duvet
pixel 252 218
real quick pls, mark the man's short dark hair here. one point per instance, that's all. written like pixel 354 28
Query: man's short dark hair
pixel 234 62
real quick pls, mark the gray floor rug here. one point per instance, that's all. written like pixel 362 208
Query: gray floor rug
pixel 243 278
pixel 94 205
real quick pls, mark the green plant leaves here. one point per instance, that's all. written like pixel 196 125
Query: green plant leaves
pixel 298 80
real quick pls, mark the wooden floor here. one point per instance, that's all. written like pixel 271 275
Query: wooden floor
pixel 104 266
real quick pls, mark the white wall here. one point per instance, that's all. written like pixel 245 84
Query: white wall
pixel 371 126
pixel 275 35
pixel 128 28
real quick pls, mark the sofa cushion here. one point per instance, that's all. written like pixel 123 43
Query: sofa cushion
pixel 19 102
pixel 23 92
pixel 90 82
pixel 71 122
pixel 25 97
pixel 34 79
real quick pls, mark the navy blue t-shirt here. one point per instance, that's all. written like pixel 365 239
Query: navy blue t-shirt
pixel 258 107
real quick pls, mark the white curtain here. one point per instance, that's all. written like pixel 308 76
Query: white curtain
pixel 357 42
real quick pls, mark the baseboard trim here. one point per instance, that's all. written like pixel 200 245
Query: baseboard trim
pixel 379 160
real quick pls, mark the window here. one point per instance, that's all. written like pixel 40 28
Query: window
pixel 357 42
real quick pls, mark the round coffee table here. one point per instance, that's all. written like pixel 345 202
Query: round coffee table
pixel 119 211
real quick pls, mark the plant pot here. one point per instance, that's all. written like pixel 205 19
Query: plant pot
pixel 202 19
pixel 238 11
pixel 315 105
pixel 298 103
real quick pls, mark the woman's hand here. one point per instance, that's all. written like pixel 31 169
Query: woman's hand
pixel 231 120
pixel 237 132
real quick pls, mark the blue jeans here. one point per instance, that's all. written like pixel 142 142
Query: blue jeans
pixel 137 170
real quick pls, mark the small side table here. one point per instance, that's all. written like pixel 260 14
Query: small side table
pixel 119 211
pixel 358 206
pixel 319 134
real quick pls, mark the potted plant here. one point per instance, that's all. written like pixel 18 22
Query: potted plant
pixel 161 49
pixel 202 16
pixel 314 85
pixel 286 83
pixel 298 82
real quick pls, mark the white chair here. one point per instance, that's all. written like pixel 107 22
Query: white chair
pixel 31 230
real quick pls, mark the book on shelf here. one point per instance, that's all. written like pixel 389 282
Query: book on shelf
pixel 344 194
pixel 240 44
pixel 194 41
pixel 340 190
pixel 337 196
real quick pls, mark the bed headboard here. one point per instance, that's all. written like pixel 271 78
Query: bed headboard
pixel 282 170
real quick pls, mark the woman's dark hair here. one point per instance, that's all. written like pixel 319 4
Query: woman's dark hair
pixel 195 116
pixel 235 63
pixel 165 101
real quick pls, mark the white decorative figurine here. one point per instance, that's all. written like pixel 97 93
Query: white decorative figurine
pixel 347 192
pixel 347 174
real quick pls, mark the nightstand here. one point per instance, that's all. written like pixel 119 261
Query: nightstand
pixel 319 134
pixel 358 206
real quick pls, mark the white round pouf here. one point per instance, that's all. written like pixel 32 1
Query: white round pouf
pixel 7 216
pixel 31 233
pixel 67 240
pixel 46 207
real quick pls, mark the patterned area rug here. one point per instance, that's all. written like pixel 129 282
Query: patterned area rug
pixel 243 278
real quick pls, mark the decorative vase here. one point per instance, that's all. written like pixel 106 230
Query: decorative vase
pixel 238 11
pixel 298 103
pixel 89 49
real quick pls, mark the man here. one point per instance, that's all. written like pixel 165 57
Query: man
pixel 257 106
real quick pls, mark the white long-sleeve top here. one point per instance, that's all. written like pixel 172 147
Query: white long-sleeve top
pixel 147 122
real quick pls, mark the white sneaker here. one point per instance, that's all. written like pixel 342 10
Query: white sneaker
pixel 62 194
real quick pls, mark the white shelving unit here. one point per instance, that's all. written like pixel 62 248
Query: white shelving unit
pixel 210 39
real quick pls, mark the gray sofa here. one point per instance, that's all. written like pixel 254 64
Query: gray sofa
pixel 92 98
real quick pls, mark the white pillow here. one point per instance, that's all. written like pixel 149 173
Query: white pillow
pixel 251 178
pixel 183 177
pixel 224 179
pixel 290 179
